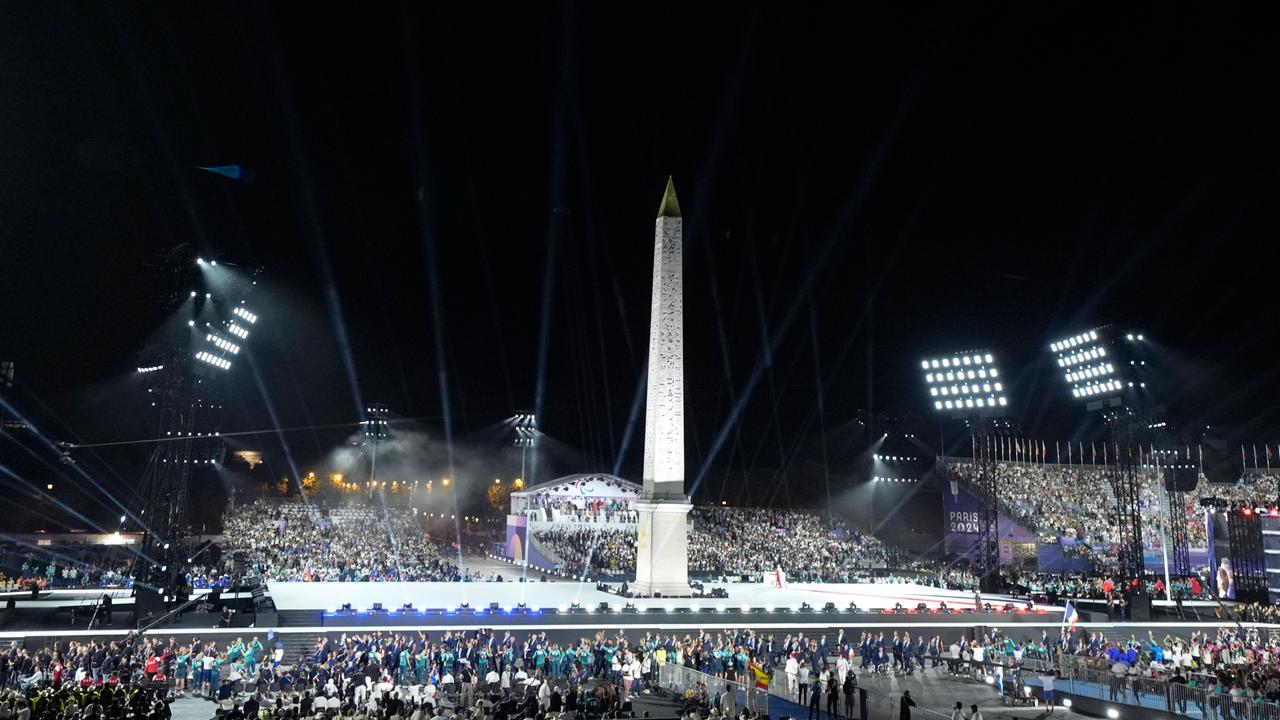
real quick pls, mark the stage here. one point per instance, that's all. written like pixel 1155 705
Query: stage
pixel 561 596
pixel 567 609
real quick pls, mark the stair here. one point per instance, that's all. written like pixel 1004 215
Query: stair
pixel 1120 634
pixel 544 551
pixel 300 618
pixel 298 646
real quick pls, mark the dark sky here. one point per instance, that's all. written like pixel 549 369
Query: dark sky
pixel 860 187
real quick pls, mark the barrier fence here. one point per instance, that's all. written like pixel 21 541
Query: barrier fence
pixel 869 704
pixel 680 680
pixel 1085 677
pixel 1082 677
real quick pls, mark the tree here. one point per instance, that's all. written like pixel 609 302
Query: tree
pixel 499 496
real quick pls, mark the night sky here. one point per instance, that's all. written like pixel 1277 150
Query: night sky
pixel 465 184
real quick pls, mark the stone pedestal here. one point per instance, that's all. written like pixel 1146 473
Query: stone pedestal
pixel 662 549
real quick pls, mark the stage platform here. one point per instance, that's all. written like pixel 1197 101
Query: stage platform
pixel 563 595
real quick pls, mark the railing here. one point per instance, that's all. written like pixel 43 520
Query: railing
pixel 537 517
pixel 680 679
pixel 1193 702
pixel 1084 677
pixel 870 703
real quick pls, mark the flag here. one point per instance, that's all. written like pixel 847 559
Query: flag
pixel 761 677
pixel 779 578
pixel 1094 449
pixel 234 172
pixel 1243 460
pixel 1070 616
pixel 1255 457
pixel 1268 447
pixel 1057 451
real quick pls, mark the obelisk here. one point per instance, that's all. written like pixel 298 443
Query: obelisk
pixel 662 542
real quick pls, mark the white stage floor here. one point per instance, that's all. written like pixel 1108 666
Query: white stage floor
pixel 549 595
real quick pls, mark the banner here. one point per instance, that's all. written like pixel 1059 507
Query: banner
pixel 962 522
pixel 962 527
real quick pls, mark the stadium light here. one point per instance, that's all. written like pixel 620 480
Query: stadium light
pixel 237 330
pixel 213 360
pixel 151 369
pixel 248 317
pixel 965 383
pixel 223 344
pixel 1098 364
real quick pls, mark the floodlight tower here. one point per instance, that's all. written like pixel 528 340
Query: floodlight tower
pixel 526 436
pixel 187 379
pixel 969 386
pixel 377 429
pixel 1106 368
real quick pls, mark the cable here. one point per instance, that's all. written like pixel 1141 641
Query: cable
pixel 225 434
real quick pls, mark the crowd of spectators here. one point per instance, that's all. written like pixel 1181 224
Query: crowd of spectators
pixel 1101 586
pixel 63 566
pixel 96 702
pixel 584 510
pixel 590 551
pixel 1236 666
pixel 476 674
pixel 499 675
pixel 298 541
pixel 1077 502
pixel 807 546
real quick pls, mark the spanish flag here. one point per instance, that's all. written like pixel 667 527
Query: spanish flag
pixel 762 677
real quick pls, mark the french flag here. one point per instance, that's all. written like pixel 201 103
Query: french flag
pixel 1070 616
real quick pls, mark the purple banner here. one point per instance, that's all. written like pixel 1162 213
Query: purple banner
pixel 962 525
pixel 517 537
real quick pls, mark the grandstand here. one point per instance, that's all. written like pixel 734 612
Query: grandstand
pixel 1075 504
pixel 584 525
pixel 305 542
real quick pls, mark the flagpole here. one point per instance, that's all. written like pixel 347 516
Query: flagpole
pixel 1164 541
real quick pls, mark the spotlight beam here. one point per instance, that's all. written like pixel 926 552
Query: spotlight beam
pixel 417 122
pixel 271 410
pixel 637 404
pixel 544 334
pixel 283 92
pixel 35 489
pixel 866 182
pixel 35 432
